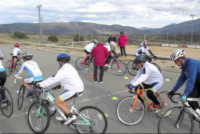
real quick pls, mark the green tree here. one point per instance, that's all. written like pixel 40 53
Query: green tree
pixel 53 38
pixel 78 38
pixel 20 35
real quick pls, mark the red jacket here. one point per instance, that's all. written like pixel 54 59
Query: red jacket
pixel 122 40
pixel 99 53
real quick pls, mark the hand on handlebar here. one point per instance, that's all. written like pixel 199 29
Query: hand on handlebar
pixel 170 94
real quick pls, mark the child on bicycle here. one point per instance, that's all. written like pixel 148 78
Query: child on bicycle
pixel 191 75
pixel 16 52
pixel 2 79
pixel 69 80
pixel 107 45
pixel 148 77
pixel 88 48
pixel 32 68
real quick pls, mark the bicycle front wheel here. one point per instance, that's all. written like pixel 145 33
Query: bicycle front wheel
pixel 80 63
pixel 179 121
pixel 7 104
pixel 132 68
pixel 20 98
pixel 90 119
pixel 8 67
pixel 128 116
pixel 38 117
pixel 118 67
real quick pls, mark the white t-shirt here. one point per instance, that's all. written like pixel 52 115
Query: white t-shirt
pixel 16 51
pixel 112 43
pixel 89 47
pixel 107 45
pixel 141 50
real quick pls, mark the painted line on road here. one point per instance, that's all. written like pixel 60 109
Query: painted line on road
pixel 84 100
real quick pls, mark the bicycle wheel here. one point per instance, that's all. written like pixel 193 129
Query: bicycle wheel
pixel 90 119
pixel 8 67
pixel 7 105
pixel 165 103
pixel 174 123
pixel 20 98
pixel 132 68
pixel 128 116
pixel 80 64
pixel 118 67
pixel 38 117
pixel 156 66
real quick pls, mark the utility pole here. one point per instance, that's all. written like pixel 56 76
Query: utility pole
pixel 39 6
pixel 192 15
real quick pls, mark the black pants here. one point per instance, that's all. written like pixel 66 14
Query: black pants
pixel 2 82
pixel 123 51
pixel 194 94
pixel 101 73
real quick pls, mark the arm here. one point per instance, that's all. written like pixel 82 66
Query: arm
pixel 20 71
pixel 180 82
pixel 151 53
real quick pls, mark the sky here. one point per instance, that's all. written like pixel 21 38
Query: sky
pixel 134 13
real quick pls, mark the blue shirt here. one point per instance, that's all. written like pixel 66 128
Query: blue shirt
pixel 190 69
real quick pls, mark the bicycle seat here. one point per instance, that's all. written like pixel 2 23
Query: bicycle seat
pixel 78 94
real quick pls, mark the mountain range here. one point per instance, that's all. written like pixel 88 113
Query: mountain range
pixel 92 28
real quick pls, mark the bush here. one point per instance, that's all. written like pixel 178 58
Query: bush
pixel 20 35
pixel 76 38
pixel 53 38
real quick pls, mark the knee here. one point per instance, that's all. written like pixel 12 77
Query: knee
pixel 150 93
pixel 57 101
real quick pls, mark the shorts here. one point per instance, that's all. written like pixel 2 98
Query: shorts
pixel 28 80
pixel 66 95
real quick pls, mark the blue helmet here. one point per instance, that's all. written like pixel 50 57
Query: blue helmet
pixel 64 57
pixel 140 58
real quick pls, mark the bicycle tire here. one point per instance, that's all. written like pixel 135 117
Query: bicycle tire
pixel 166 104
pixel 132 68
pixel 8 68
pixel 168 124
pixel 118 68
pixel 42 121
pixel 7 110
pixel 126 116
pixel 79 63
pixel 96 117
pixel 20 98
pixel 156 66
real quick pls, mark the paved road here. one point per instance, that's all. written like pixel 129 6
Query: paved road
pixel 99 95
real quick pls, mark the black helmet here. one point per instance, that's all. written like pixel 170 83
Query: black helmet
pixel 27 56
pixel 64 57
pixel 140 58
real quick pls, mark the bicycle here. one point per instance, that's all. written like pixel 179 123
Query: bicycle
pixel 185 121
pixel 118 67
pixel 35 97
pixel 88 117
pixel 6 102
pixel 11 65
pixel 133 68
pixel 131 110
pixel 82 63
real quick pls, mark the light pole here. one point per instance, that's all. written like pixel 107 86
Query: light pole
pixel 39 6
pixel 192 15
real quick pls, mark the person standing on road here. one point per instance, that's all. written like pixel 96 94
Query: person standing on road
pixel 121 43
pixel 112 41
pixel 191 75
pixel 99 53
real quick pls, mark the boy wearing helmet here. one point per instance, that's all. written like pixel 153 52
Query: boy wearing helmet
pixel 191 75
pixel 88 48
pixel 16 52
pixel 148 77
pixel 32 68
pixel 69 80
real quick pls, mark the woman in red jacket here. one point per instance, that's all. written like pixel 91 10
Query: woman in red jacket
pixel 121 43
pixel 99 53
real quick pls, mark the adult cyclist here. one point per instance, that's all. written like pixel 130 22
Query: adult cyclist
pixel 70 82
pixel 191 75
pixel 88 48
pixel 16 52
pixel 32 68
pixel 147 77
pixel 143 49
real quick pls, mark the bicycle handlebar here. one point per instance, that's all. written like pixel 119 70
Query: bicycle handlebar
pixel 17 78
pixel 172 98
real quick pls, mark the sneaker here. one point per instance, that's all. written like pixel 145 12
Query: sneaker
pixel 4 104
pixel 29 94
pixel 70 120
pixel 157 108
pixel 100 82
pixel 59 118
pixel 197 111
pixel 95 81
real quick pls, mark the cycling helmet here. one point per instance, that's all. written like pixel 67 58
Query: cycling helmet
pixel 140 58
pixel 95 41
pixel 16 45
pixel 64 57
pixel 177 53
pixel 27 56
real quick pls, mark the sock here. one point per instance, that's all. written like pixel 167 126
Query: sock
pixel 29 90
pixel 69 115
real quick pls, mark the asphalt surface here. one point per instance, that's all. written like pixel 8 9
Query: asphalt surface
pixel 99 95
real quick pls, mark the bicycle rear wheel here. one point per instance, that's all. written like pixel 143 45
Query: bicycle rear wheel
pixel 118 67
pixel 156 66
pixel 20 98
pixel 91 120
pixel 7 105
pixel 128 116
pixel 80 63
pixel 132 68
pixel 174 123
pixel 8 67
pixel 38 117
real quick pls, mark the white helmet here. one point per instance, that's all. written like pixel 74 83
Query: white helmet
pixel 177 53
